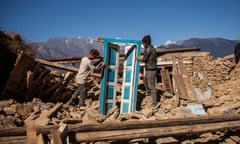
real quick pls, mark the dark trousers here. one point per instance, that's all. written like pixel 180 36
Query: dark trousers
pixel 149 83
pixel 83 94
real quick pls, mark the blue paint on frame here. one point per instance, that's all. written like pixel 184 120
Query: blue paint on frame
pixel 110 92
pixel 129 60
pixel 128 76
pixel 111 75
pixel 125 108
pixel 126 92
pixel 112 56
pixel 107 92
pixel 109 106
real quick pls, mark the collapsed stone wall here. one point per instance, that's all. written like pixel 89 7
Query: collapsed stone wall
pixel 218 79
pixel 207 71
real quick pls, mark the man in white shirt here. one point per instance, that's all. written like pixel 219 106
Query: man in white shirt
pixel 86 67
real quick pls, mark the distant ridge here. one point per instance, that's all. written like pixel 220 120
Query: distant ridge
pixel 72 47
pixel 218 47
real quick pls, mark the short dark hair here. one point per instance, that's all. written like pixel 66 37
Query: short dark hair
pixel 94 52
pixel 147 39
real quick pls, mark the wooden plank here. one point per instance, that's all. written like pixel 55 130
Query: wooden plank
pixel 155 132
pixel 178 80
pixel 177 50
pixel 63 67
pixel 67 60
pixel 32 116
pixel 51 89
pixel 30 88
pixel 40 139
pixel 54 109
pixel 6 103
pixel 31 133
pixel 235 138
pixel 229 57
pixel 56 138
pixel 45 115
pixel 189 88
pixel 181 90
pixel 100 40
pixel 230 141
pixel 167 84
pixel 21 131
pixel 182 81
pixel 151 123
pixel 166 140
pixel 56 65
pixel 63 130
pixel 13 140
pixel 185 54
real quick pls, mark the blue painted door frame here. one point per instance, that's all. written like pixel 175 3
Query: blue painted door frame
pixel 108 92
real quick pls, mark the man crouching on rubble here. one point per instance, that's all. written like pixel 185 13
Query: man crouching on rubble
pixel 149 59
pixel 86 67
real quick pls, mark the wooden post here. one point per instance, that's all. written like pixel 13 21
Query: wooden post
pixel 31 132
pixel 56 138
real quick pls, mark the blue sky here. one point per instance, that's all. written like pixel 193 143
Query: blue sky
pixel 39 20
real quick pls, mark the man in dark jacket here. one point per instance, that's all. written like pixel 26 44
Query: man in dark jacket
pixel 150 60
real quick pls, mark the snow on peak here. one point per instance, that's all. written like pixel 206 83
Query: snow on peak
pixel 168 42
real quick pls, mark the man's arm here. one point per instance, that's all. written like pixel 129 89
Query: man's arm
pixel 94 70
pixel 147 53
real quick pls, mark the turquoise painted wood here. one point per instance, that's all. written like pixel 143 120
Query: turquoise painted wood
pixel 109 79
pixel 110 75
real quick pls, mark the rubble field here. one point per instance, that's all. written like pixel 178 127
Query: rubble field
pixel 33 94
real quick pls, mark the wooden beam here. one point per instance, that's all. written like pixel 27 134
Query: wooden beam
pixel 13 140
pixel 155 132
pixel 56 65
pixel 21 131
pixel 60 66
pixel 100 40
pixel 171 50
pixel 71 59
pixel 228 57
pixel 185 54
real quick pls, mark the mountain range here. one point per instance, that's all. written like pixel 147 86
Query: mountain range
pixel 72 47
pixel 65 47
